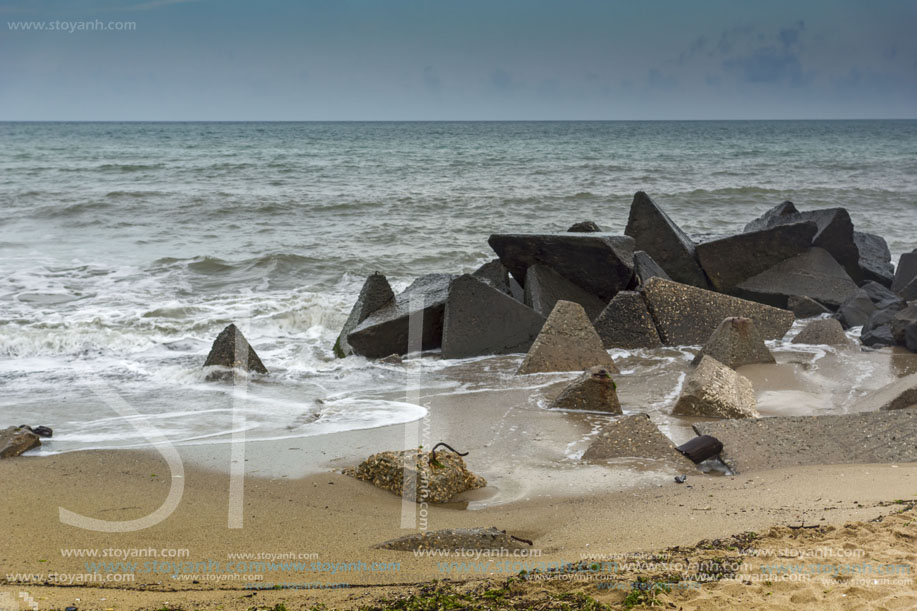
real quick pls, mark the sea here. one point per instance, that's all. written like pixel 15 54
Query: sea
pixel 126 247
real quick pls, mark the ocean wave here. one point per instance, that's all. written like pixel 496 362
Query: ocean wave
pixel 129 167
pixel 69 210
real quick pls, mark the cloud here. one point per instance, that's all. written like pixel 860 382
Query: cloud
pixel 790 36
pixel 767 65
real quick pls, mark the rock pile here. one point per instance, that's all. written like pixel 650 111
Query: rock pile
pixel 652 286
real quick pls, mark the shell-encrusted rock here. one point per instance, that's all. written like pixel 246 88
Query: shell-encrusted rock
pixel 457 540
pixel 413 474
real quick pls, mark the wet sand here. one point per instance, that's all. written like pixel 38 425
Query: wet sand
pixel 296 506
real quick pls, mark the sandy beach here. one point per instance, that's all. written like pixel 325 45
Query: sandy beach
pixel 333 521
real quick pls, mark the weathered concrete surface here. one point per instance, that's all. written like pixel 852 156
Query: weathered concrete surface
pixel 856 309
pixel 635 437
pixel 385 332
pixel 16 440
pixel 899 394
pixel 544 287
pixel 877 330
pixel 805 307
pixel 567 342
pixel 626 323
pixel 413 474
pixel 376 293
pixel 875 258
pixel 230 349
pixel 813 273
pixel 645 267
pixel 882 296
pixel 835 232
pixel 687 315
pixel 595 391
pixel 479 319
pixel 823 332
pixel 774 443
pixel 728 261
pixel 713 390
pixel 600 263
pixel 457 540
pixel 655 233
pixel 736 342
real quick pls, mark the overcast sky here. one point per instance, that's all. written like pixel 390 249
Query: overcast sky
pixel 460 59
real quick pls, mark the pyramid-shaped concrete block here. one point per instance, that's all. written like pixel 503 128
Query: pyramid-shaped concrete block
pixel 713 390
pixel 823 332
pixel 544 287
pixel 480 319
pixel 736 342
pixel 231 350
pixel 567 342
pixel 376 292
pixel 593 391
pixel 654 232
pixel 626 323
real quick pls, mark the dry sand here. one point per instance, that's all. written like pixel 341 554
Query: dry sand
pixel 340 519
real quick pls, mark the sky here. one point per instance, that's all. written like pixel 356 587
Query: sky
pixel 457 60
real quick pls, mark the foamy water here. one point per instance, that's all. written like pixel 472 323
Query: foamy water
pixel 125 248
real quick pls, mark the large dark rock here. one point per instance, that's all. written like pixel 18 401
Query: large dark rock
pixel 875 258
pixel 813 273
pixel 729 261
pixel 16 440
pixel 835 233
pixel 584 227
pixel 714 390
pixel 823 332
pixel 687 315
pixel 772 217
pixel 856 309
pixel 594 391
pixel 905 281
pixel 231 350
pixel 385 331
pixel 654 232
pixel 904 327
pixel 626 323
pixel 600 263
pixel 494 274
pixel 736 342
pixel 376 293
pixel 805 307
pixel 567 342
pixel 479 319
pixel 881 296
pixel 877 330
pixel 645 267
pixel 544 288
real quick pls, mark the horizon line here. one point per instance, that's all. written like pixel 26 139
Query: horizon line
pixel 446 120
